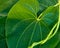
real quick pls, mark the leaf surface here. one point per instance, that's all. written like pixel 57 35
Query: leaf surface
pixel 23 27
pixel 2 32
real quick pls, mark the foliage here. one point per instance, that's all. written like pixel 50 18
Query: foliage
pixel 30 24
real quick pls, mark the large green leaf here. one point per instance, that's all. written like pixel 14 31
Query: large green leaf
pixel 23 27
pixel 5 6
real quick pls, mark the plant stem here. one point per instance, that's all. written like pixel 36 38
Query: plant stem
pixel 59 10
pixel 50 35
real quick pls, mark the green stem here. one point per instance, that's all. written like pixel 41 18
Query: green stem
pixel 59 10
pixel 51 34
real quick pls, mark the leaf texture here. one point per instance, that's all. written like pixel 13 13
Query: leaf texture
pixel 23 27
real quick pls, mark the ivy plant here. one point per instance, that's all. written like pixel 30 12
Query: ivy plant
pixel 31 24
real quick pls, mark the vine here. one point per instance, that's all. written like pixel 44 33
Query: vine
pixel 51 34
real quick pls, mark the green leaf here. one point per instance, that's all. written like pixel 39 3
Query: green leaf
pixel 58 44
pixel 46 3
pixel 23 27
pixel 2 32
pixel 6 4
